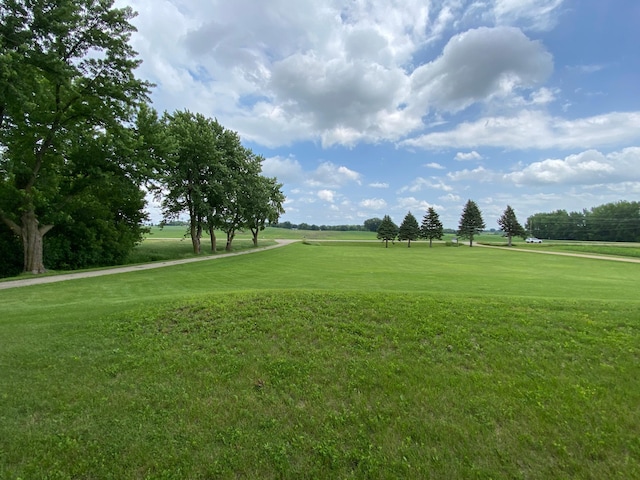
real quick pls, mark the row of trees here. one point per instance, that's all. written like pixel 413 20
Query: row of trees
pixel 209 174
pixel 611 222
pixel 471 224
pixel 431 228
pixel 80 148
pixel 314 228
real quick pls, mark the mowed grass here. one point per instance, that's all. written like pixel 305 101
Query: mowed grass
pixel 333 360
pixel 268 233
pixel 625 250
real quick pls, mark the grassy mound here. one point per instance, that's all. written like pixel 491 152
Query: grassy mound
pixel 325 384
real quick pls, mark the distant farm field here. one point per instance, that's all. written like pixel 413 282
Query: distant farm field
pixel 327 360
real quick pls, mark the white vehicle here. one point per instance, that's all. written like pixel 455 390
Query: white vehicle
pixel 533 240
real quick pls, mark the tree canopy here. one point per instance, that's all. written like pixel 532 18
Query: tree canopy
pixel 510 226
pixel 409 229
pixel 611 222
pixel 387 230
pixel 431 227
pixel 471 222
pixel 209 174
pixel 372 224
pixel 67 77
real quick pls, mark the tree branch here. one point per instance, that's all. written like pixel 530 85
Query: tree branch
pixel 44 229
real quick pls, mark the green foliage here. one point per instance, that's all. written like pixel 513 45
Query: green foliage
pixel 510 226
pixel 372 224
pixel 68 76
pixel 263 204
pixel 431 227
pixel 11 253
pixel 471 222
pixel 195 169
pixel 409 229
pixel 217 181
pixel 611 222
pixel 387 230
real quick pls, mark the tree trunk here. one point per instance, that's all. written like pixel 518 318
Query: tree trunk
pixel 32 241
pixel 409 243
pixel 430 242
pixel 254 232
pixel 196 233
pixel 509 237
pixel 212 235
pixel 230 236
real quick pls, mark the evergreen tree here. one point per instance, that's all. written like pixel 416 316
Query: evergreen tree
pixel 431 226
pixel 510 225
pixel 409 229
pixel 387 230
pixel 471 222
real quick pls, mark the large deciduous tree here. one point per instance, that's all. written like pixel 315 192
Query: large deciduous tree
pixel 244 168
pixel 510 226
pixel 471 222
pixel 66 73
pixel 193 171
pixel 264 205
pixel 387 230
pixel 431 227
pixel 103 207
pixel 409 229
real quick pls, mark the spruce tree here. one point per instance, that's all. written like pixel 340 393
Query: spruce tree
pixel 387 230
pixel 471 222
pixel 409 229
pixel 510 225
pixel 431 226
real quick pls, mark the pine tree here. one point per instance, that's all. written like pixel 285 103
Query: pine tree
pixel 387 230
pixel 431 226
pixel 510 226
pixel 471 222
pixel 409 229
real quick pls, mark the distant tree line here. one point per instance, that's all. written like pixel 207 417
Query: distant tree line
pixel 611 222
pixel 370 225
pixel 312 227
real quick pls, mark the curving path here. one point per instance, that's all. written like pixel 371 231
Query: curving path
pixel 25 282
pixel 566 254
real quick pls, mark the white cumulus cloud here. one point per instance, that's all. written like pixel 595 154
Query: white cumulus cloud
pixel 327 195
pixel 536 129
pixel 462 156
pixel 590 167
pixel 373 203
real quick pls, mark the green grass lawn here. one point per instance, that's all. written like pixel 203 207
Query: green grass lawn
pixel 625 250
pixel 327 360
pixel 269 233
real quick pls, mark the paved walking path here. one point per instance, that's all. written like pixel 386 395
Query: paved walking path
pixel 25 282
pixel 566 254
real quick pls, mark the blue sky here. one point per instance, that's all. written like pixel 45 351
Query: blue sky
pixel 363 108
